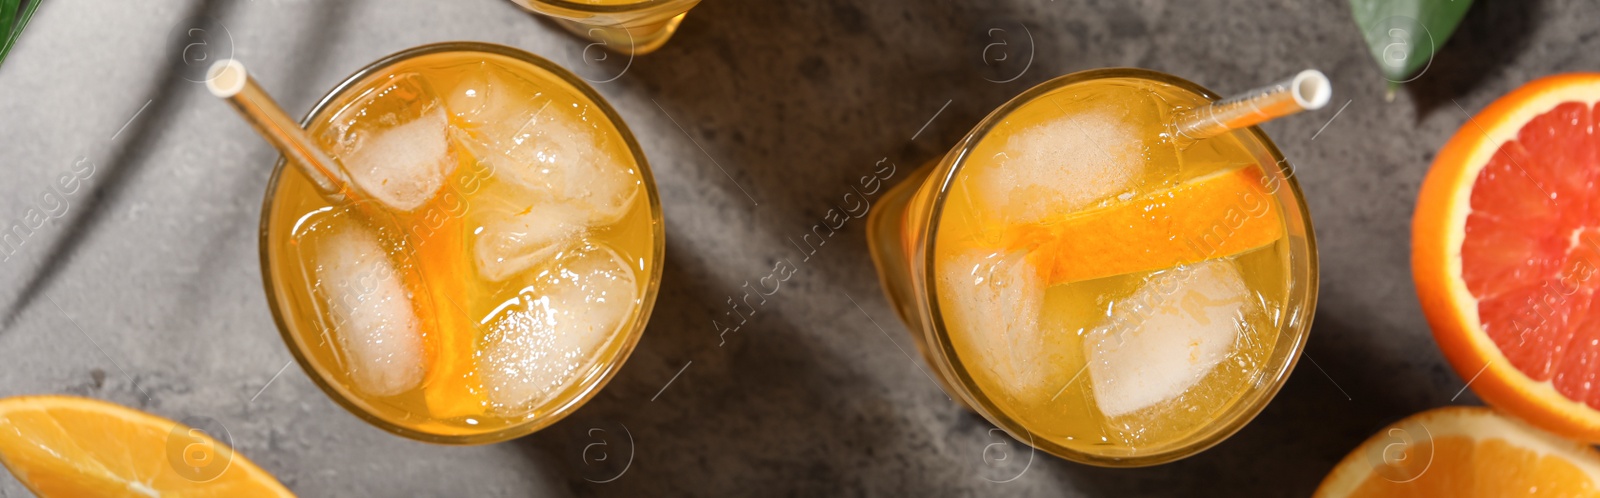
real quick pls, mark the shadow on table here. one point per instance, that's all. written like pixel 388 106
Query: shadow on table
pixel 760 419
pixel 132 148
pixel 692 416
pixel 779 409
pixel 1490 37
pixel 124 162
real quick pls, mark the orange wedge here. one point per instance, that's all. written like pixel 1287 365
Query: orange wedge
pixel 1213 216
pixel 1506 254
pixel 451 388
pixel 1464 452
pixel 71 446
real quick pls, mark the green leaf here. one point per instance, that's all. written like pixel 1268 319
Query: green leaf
pixel 1403 35
pixel 8 13
pixel 14 23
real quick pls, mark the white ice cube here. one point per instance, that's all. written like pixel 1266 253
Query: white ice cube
pixel 394 142
pixel 995 299
pixel 555 161
pixel 541 341
pixel 513 242
pixel 1167 336
pixel 535 135
pixel 1064 165
pixel 376 328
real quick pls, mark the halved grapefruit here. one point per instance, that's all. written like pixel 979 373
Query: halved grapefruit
pixel 1464 452
pixel 1506 253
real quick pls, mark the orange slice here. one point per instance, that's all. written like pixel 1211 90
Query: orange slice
pixel 1505 253
pixel 1464 452
pixel 1213 216
pixel 452 388
pixel 71 446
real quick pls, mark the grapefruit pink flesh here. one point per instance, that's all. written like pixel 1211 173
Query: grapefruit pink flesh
pixel 1531 252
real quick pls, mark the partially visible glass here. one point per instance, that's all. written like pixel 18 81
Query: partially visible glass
pixel 986 348
pixel 627 26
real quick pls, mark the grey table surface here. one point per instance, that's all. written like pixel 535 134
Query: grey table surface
pixel 757 117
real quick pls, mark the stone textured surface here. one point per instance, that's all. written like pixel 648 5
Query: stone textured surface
pixel 756 118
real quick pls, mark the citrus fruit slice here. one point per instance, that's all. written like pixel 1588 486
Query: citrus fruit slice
pixel 1505 248
pixel 1213 216
pixel 71 446
pixel 452 388
pixel 1464 452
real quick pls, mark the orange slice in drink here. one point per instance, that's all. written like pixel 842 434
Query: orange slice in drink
pixel 71 446
pixel 1213 216
pixel 1464 452
pixel 1505 253
pixel 451 388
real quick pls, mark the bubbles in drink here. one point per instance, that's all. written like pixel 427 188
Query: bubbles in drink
pixel 394 142
pixel 546 336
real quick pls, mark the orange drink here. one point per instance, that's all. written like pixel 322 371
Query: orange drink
pixel 1096 286
pixel 502 263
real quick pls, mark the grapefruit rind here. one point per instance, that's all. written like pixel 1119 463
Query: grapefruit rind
pixel 1476 423
pixel 1438 232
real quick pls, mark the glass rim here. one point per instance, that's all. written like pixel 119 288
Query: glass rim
pixel 590 8
pixel 1233 420
pixel 648 298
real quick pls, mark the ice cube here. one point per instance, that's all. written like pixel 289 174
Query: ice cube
pixel 995 299
pixel 1060 166
pixel 541 341
pixel 512 242
pixel 377 329
pixel 394 141
pixel 1166 336
pixel 538 136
